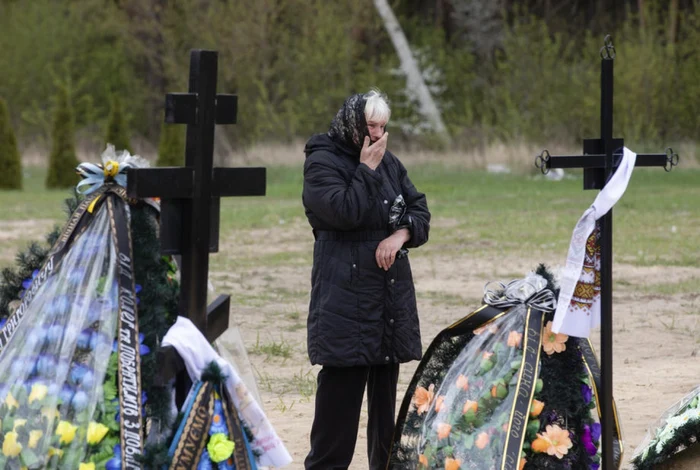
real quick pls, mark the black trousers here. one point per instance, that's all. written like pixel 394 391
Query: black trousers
pixel 337 416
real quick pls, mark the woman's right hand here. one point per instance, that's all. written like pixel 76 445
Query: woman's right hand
pixel 371 155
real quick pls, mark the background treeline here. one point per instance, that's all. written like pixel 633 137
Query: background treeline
pixel 499 69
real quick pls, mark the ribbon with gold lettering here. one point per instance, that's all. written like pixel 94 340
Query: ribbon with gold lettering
pixel 192 436
pixel 593 368
pixel 129 365
pixel 241 459
pixel 524 391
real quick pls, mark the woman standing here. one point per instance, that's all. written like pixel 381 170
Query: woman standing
pixel 363 321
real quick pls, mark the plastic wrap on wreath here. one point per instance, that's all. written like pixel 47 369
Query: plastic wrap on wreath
pixel 676 429
pixel 498 389
pixel 464 417
pixel 56 349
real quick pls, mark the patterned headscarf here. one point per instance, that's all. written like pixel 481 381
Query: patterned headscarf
pixel 349 126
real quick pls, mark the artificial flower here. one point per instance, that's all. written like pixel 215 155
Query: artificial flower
pixel 491 328
pixel 96 432
pixel 482 440
pixel 553 342
pixel 443 430
pixel 539 445
pixel 558 439
pixel 54 451
pixel 486 355
pixel 87 466
pixel 424 398
pixel 220 447
pixel 18 423
pixel 587 393
pixel 218 423
pixel 10 446
pixel 499 390
pixel 536 408
pixel 452 464
pixel 115 463
pixel 205 461
pixel 34 437
pixel 462 382
pixel 515 339
pixel 439 403
pixel 470 405
pixel 10 401
pixel 49 412
pixel 523 462
pixel 66 431
pixel 39 392
pixel 423 460
pixel 587 440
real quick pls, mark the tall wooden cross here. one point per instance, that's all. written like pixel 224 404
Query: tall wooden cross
pixel 600 160
pixel 190 197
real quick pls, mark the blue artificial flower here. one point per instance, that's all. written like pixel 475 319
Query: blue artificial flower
pixel 115 463
pixel 117 416
pixel 137 290
pixel 76 276
pixel 54 334
pixel 2 322
pixel 60 305
pixel 46 365
pixel 80 401
pixel 205 462
pixel 587 393
pixel 83 341
pixel 26 284
pixel 218 421
pixel 143 349
pixel 66 394
pixel 595 432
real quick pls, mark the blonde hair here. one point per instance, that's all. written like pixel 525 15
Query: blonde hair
pixel 376 106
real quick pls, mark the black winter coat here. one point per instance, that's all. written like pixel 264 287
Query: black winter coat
pixel 359 314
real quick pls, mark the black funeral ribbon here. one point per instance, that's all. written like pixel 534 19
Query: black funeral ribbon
pixel 77 223
pixel 129 364
pixel 524 391
pixel 241 457
pixel 591 362
pixel 193 436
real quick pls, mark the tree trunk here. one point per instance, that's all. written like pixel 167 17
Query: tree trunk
pixel 672 21
pixel 414 78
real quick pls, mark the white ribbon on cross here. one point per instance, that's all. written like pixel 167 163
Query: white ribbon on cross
pixel 578 307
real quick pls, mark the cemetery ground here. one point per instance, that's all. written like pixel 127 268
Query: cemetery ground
pixel 485 227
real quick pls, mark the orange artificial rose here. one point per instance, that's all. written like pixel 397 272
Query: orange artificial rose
pixel 482 440
pixel 443 430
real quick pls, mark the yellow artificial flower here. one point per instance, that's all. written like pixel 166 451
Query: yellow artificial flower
pixel 19 422
pixel 66 431
pixel 219 447
pixel 10 446
pixel 87 466
pixel 34 437
pixel 39 392
pixel 96 432
pixel 49 412
pixel 10 401
pixel 57 452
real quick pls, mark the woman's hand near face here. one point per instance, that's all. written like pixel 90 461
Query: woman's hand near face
pixel 387 248
pixel 371 155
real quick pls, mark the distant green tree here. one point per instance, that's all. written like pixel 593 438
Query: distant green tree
pixel 117 128
pixel 171 149
pixel 63 160
pixel 10 160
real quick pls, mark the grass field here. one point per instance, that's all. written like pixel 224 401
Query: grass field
pixel 485 227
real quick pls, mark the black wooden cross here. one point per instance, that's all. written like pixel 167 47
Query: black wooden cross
pixel 600 160
pixel 190 197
